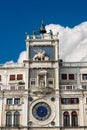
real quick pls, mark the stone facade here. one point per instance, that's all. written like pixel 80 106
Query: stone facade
pixel 43 92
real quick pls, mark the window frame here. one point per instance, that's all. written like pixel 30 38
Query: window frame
pixel 83 80
pixel 0 78
pixel 12 77
pixel 16 118
pixel 16 101
pixel 19 76
pixel 8 118
pixel 64 76
pixel 32 80
pixel 52 80
pixel 68 87
pixel 74 119
pixel 9 101
pixel 62 87
pixel 65 101
pixel 71 76
pixel 74 100
pixel 70 101
pixel 66 119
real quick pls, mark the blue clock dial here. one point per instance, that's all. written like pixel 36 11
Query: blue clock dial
pixel 41 111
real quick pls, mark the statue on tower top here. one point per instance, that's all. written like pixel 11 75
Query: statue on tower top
pixel 42 29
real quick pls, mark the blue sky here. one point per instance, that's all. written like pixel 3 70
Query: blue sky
pixel 20 16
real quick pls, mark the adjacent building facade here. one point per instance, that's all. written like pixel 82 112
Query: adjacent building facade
pixel 43 92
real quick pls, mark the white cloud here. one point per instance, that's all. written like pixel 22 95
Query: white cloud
pixel 22 57
pixel 72 42
pixel 9 62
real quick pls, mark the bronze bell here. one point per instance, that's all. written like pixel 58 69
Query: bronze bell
pixel 42 29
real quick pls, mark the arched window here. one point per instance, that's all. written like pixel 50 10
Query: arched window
pixel 74 118
pixel 66 119
pixel 16 118
pixel 8 119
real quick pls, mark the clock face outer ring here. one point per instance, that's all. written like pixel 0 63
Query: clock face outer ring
pixel 42 112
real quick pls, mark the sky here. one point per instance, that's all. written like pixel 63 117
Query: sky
pixel 68 17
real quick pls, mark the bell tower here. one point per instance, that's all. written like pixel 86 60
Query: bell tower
pixel 43 80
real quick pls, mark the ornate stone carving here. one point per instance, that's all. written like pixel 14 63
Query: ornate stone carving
pixel 40 55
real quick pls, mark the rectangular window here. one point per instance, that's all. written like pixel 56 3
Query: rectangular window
pixel 0 78
pixel 17 101
pixel 12 77
pixel 84 86
pixel 69 100
pixel 62 87
pixel 84 76
pixel 75 100
pixel 64 76
pixel 69 87
pixel 9 101
pixel 86 100
pixel 33 82
pixel 65 100
pixel 19 76
pixel 12 87
pixel 20 87
pixel 50 81
pixel 71 76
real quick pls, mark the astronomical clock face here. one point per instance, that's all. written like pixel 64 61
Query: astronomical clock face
pixel 41 111
pixel 44 51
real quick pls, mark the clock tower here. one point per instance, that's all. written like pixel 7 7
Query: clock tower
pixel 43 80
